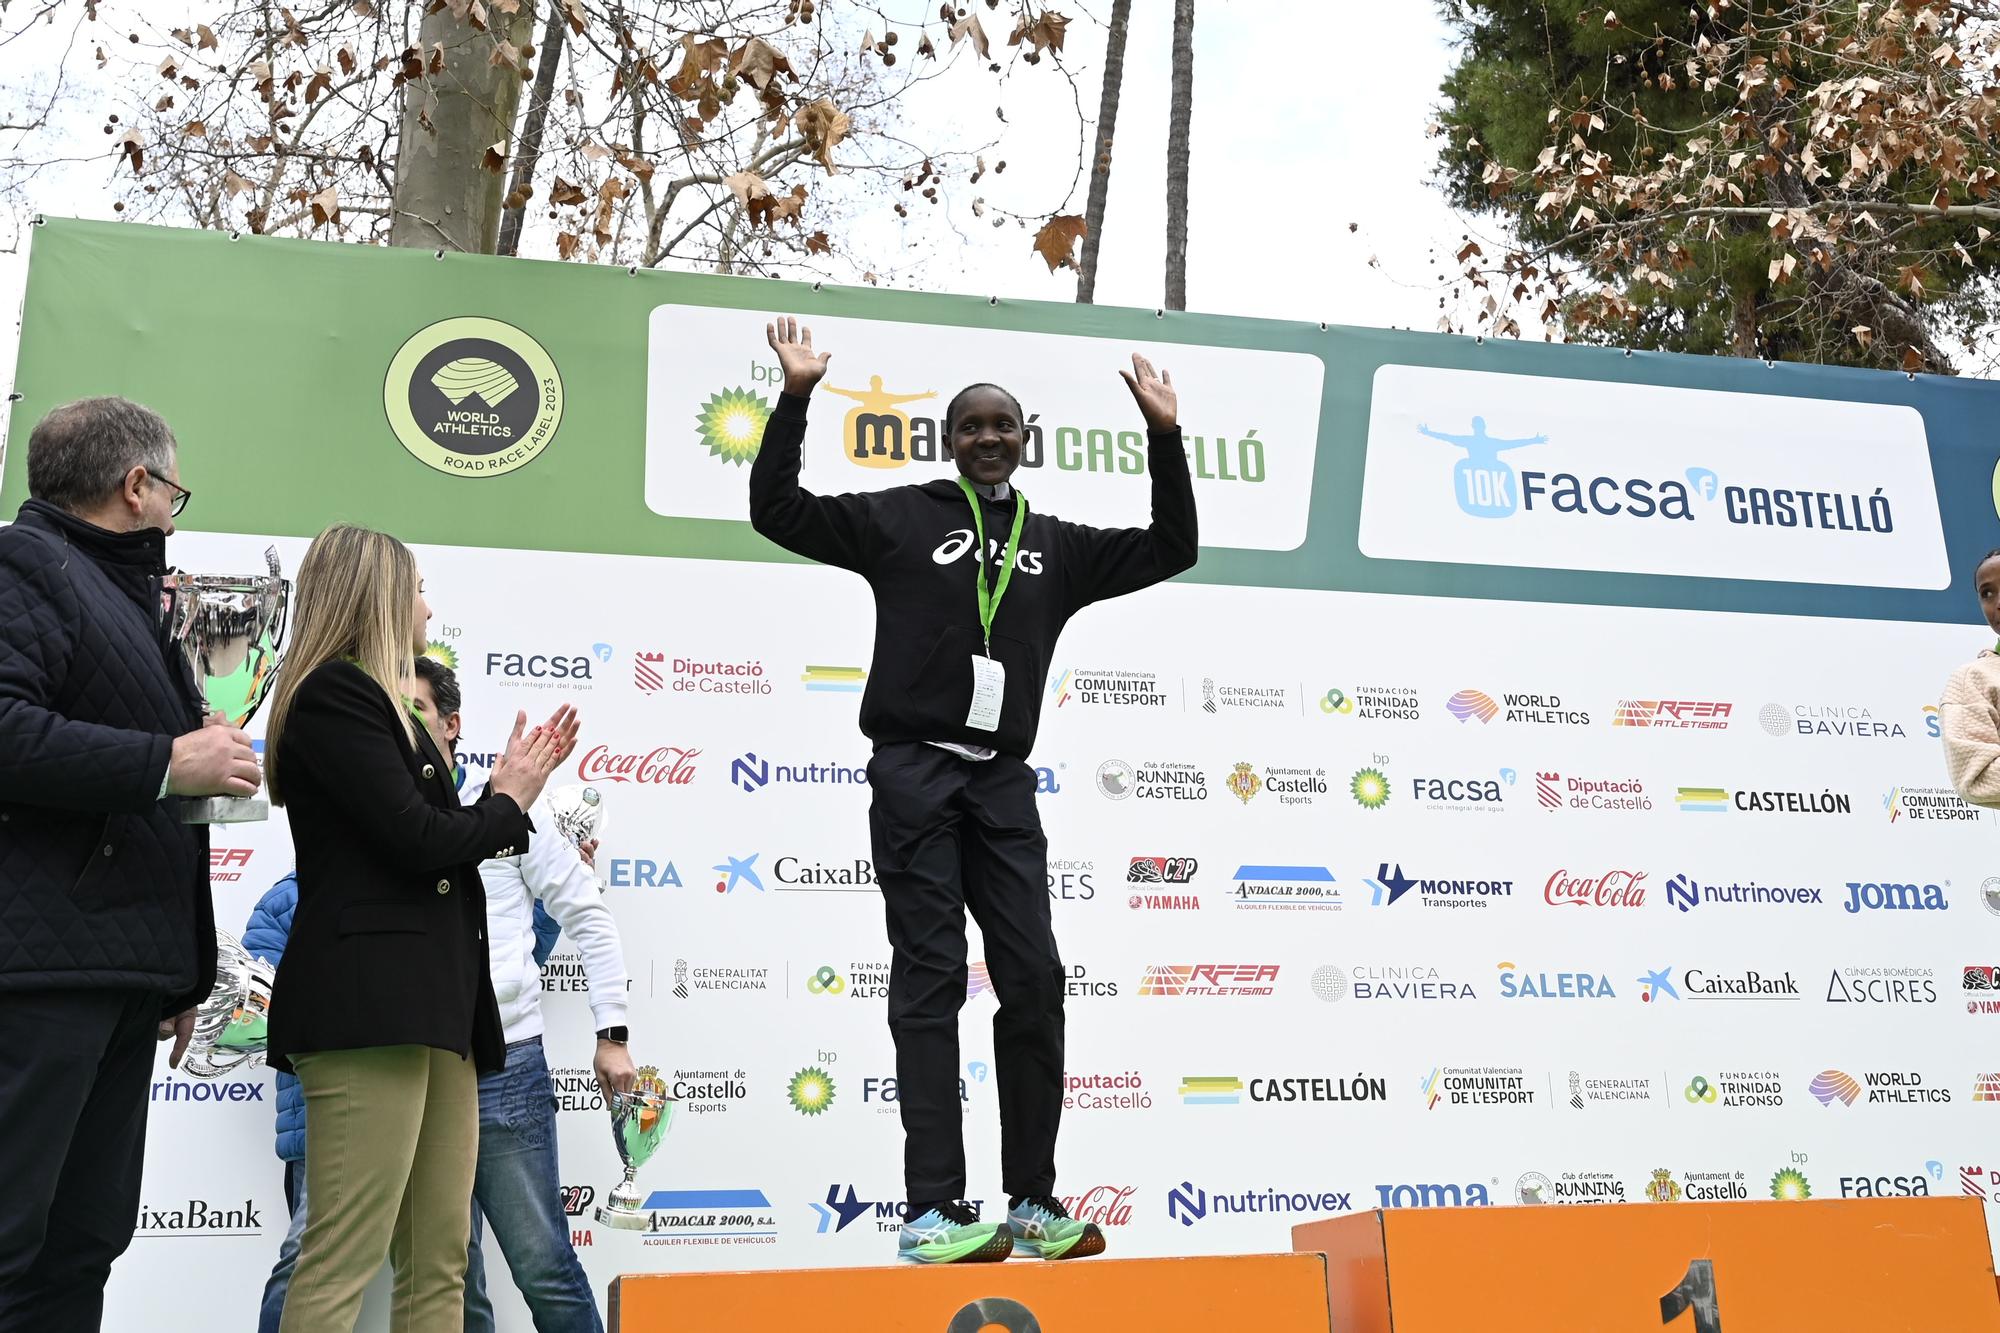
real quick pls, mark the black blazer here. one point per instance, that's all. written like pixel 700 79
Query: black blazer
pixel 388 946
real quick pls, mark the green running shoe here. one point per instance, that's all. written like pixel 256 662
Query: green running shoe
pixel 951 1233
pixel 1043 1229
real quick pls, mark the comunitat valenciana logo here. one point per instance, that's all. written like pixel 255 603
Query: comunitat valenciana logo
pixel 473 397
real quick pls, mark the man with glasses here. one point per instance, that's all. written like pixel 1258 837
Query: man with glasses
pixel 107 935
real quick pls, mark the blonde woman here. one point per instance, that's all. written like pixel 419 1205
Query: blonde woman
pixel 383 1004
pixel 1969 713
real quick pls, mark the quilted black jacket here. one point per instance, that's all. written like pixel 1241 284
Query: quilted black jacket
pixel 101 884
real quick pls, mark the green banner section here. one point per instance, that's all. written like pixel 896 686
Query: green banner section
pixel 478 401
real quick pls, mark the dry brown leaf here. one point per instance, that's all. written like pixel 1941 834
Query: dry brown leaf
pixel 1044 33
pixel 1056 241
pixel 699 61
pixel 1913 360
pixel 494 159
pixel 758 63
pixel 818 244
pixel 134 149
pixel 325 207
pixel 926 48
pixel 234 184
pixel 746 186
pixel 194 129
pixel 595 151
pixel 573 10
pixel 363 9
pixel 824 125
pixel 321 81
pixel 968 27
pixel 204 37
pixel 608 195
pixel 567 244
pixel 565 193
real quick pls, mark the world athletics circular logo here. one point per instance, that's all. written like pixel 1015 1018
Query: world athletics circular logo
pixel 473 397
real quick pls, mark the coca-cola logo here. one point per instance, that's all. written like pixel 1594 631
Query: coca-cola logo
pixel 1106 1205
pixel 666 763
pixel 1613 888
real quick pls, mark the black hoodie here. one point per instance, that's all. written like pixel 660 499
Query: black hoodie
pixel 911 544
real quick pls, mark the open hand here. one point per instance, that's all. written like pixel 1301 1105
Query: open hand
pixel 565 725
pixel 803 368
pixel 531 756
pixel 1154 392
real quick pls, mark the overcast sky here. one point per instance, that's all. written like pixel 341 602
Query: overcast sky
pixel 1307 118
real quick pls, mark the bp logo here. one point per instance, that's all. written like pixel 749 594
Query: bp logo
pixel 442 653
pixel 1370 788
pixel 473 397
pixel 732 425
pixel 810 1091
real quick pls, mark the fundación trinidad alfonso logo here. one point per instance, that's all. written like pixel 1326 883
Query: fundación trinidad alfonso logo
pixel 731 424
pixel 473 397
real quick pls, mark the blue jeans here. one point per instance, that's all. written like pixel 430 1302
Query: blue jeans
pixel 273 1308
pixel 519 1191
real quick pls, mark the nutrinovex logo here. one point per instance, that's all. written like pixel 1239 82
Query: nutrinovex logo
pixel 473 397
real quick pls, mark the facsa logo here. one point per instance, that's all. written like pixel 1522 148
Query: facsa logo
pixel 538 666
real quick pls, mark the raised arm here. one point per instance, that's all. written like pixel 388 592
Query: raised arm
pixel 833 529
pixel 1109 562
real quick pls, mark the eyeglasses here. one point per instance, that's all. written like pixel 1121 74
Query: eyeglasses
pixel 181 493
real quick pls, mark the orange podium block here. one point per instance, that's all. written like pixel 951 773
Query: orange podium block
pixel 1268 1293
pixel 1884 1265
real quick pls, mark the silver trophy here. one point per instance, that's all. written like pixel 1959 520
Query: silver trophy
pixel 579 816
pixel 230 1026
pixel 229 628
pixel 639 1120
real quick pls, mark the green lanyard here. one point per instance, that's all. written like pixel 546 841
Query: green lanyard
pixel 989 599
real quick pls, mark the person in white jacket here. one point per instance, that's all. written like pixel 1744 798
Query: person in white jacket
pixel 518 1188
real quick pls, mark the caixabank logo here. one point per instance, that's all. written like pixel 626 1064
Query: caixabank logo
pixel 473 397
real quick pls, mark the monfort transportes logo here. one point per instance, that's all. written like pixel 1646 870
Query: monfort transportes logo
pixel 473 397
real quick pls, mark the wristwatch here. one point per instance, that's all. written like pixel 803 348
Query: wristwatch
pixel 617 1034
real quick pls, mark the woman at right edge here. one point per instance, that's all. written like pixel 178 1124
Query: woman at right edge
pixel 1969 712
pixel 953 700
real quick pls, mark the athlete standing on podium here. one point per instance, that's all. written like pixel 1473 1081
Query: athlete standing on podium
pixel 962 648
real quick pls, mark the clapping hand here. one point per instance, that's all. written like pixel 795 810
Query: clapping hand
pixel 531 756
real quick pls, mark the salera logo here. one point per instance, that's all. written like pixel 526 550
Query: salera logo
pixel 473 397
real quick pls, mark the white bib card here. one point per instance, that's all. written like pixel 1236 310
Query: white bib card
pixel 989 683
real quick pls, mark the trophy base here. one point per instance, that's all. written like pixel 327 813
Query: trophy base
pixel 224 810
pixel 620 1219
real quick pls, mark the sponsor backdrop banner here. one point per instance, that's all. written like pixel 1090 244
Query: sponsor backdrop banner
pixel 1533 798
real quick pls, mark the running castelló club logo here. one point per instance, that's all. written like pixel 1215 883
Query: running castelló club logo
pixel 473 397
pixel 731 424
pixel 876 431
